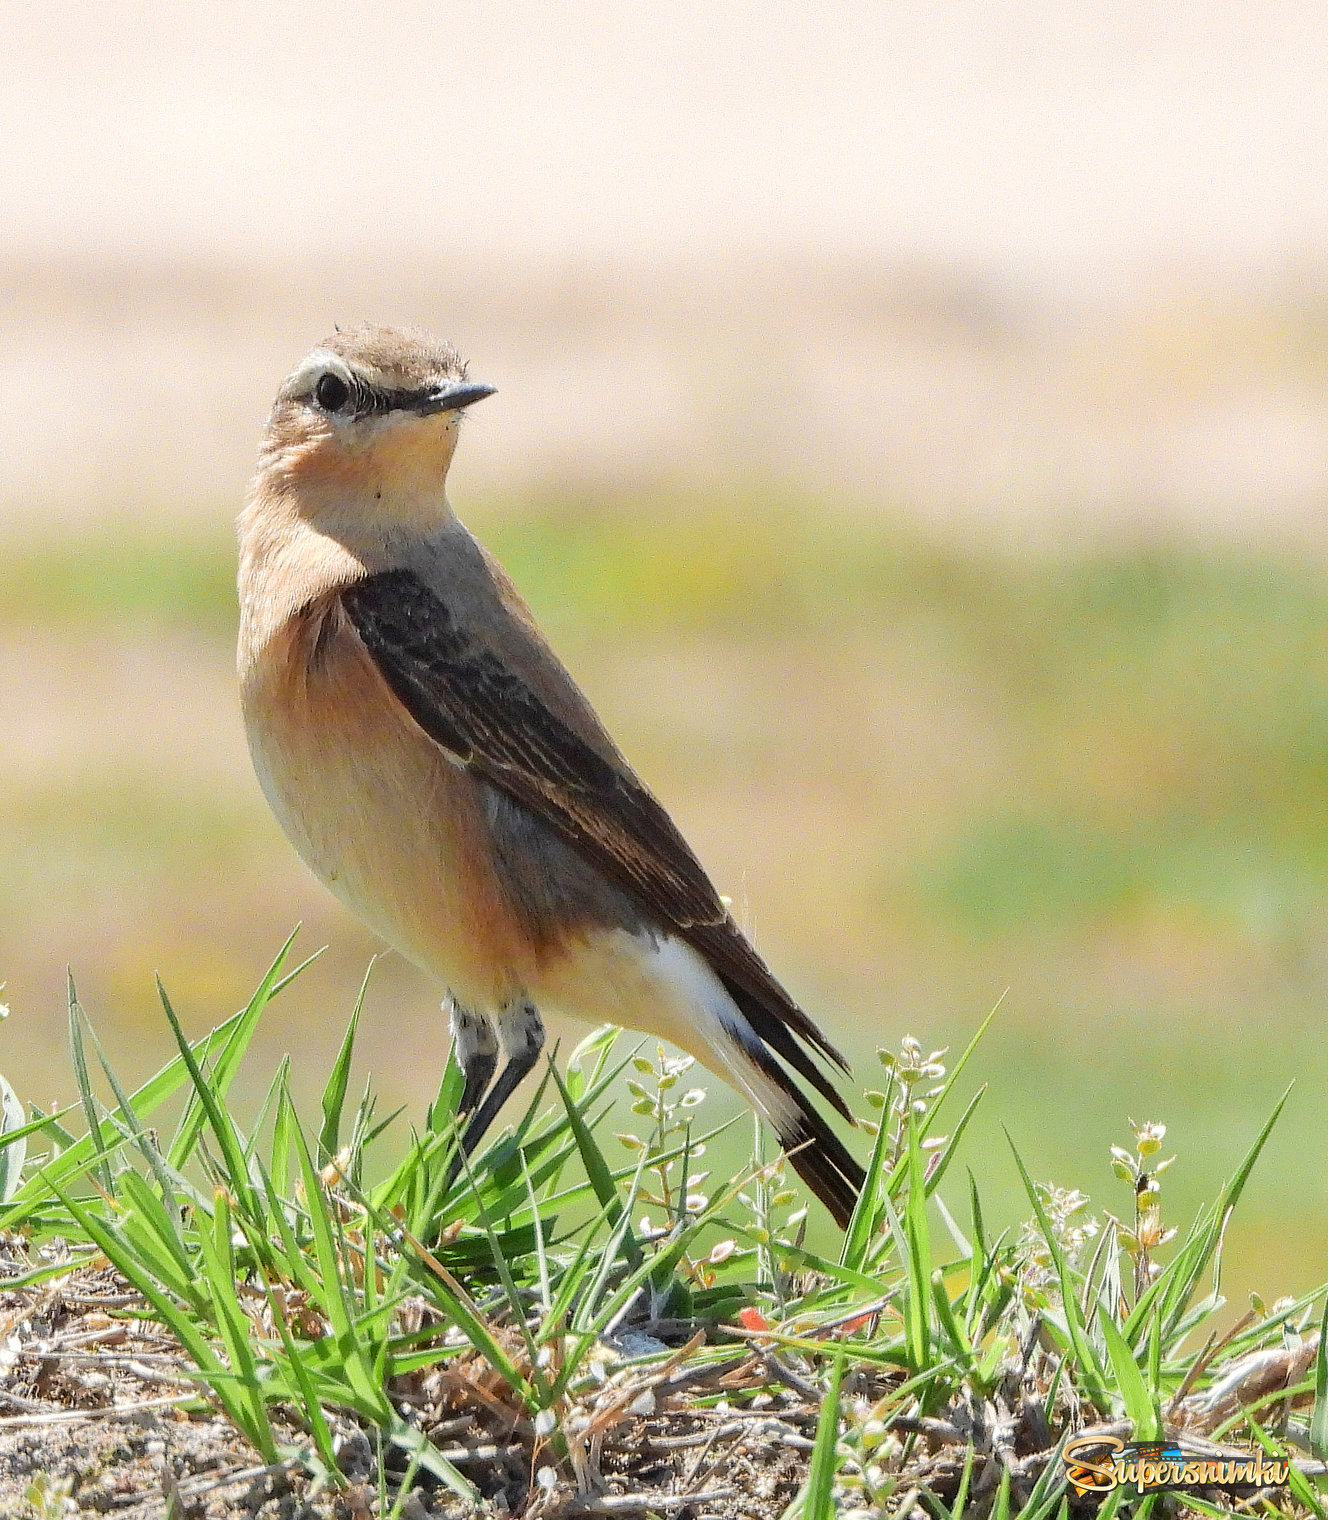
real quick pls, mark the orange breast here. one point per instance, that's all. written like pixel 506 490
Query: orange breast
pixel 377 810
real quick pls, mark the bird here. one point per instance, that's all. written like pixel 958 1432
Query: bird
pixel 436 766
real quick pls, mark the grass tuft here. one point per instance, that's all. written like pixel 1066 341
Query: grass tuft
pixel 577 1292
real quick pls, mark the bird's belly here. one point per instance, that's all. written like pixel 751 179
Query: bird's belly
pixel 386 821
pixel 649 982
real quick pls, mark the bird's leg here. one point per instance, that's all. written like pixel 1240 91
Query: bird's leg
pixel 477 1051
pixel 522 1032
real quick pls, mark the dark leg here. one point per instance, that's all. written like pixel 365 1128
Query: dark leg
pixel 477 1052
pixel 522 1032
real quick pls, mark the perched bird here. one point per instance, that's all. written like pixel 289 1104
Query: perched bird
pixel 437 767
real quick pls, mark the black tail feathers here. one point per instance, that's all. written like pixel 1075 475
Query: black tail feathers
pixel 818 1155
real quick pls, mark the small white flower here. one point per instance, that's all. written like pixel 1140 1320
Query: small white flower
pixel 1149 1137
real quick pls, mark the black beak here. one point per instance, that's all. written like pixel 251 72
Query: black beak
pixel 451 398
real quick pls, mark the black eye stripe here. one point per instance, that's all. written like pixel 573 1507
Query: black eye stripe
pixel 391 401
pixel 358 399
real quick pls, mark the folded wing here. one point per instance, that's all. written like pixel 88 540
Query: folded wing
pixel 471 702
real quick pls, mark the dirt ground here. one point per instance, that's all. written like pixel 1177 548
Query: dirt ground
pixel 93 1424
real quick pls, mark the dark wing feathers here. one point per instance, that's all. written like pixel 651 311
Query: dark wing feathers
pixel 464 697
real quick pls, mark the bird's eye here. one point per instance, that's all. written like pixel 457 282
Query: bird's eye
pixel 331 393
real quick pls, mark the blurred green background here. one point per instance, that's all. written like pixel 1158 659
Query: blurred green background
pixel 926 774
pixel 912 431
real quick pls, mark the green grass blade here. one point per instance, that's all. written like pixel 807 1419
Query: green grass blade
pixel 1090 1367
pixel 1049 1492
pixel 1155 1363
pixel 235 1034
pixel 914 1316
pixel 176 1320
pixel 597 1168
pixel 862 1225
pixel 159 1222
pixel 334 1094
pixel 455 1304
pixel 596 1048
pixel 981 1264
pixel 441 1117
pixel 309 1406
pixel 574 1278
pixel 1140 1409
pixel 661 1265
pixel 148 1150
pixel 333 1296
pixel 817 1501
pixel 962 1243
pixel 1297 1482
pixel 514 1303
pixel 963 1061
pixel 917 1316
pixel 1133 1326
pixel 283 1139
pixel 952 1145
pixel 75 1158
pixel 1115 1502
pixel 235 1329
pixel 42 1123
pixel 209 1093
pixel 1000 1510
pixel 100 1167
pixel 425 1454
pixel 277 983
pixel 541 1249
pixel 948 1322
pixel 268 1107
pixel 293 1262
pixel 611 1257
pixel 965 1479
pixel 804 1259
pixel 1182 1288
pixel 1319 1419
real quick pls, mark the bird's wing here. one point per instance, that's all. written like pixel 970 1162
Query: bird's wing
pixel 472 702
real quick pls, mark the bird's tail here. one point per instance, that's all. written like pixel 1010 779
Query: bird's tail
pixel 818 1155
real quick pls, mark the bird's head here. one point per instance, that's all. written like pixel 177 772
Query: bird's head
pixel 363 430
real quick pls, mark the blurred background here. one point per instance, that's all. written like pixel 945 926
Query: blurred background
pixel 912 428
